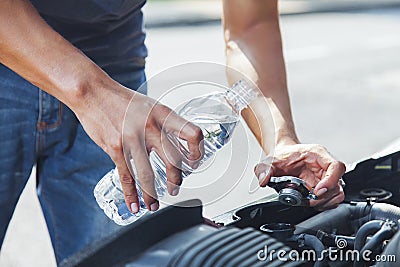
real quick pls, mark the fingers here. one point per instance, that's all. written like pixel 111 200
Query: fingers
pixel 145 121
pixel 312 163
pixel 172 159
pixel 334 202
pixel 329 200
pixel 145 175
pixel 186 131
pixel 264 172
pixel 159 121
pixel 331 178
pixel 260 170
pixel 128 184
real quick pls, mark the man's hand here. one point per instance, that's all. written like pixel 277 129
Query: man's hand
pixel 46 59
pixel 313 164
pixel 254 50
pixel 128 125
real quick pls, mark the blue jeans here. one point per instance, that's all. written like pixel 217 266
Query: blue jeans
pixel 36 128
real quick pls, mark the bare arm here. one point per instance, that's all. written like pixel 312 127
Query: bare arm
pixel 254 47
pixel 32 49
pixel 35 51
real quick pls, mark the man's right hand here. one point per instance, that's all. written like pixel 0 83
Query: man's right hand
pixel 46 59
pixel 128 125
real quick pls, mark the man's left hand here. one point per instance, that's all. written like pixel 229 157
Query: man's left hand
pixel 312 163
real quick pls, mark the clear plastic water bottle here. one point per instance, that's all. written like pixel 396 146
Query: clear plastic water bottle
pixel 216 114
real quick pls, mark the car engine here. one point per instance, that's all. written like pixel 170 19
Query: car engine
pixel 362 231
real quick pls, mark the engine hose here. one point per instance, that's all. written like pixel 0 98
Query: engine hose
pixel 331 240
pixel 386 232
pixel 366 230
pixel 383 211
pixel 316 244
pixel 348 217
pixel 392 252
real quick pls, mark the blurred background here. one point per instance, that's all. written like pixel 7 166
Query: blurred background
pixel 343 64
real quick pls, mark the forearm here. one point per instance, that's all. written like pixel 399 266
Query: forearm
pixel 125 124
pixel 254 48
pixel 30 47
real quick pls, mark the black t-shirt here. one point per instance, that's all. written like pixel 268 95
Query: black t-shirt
pixel 110 32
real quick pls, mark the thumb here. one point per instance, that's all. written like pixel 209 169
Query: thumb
pixel 264 171
pixel 334 172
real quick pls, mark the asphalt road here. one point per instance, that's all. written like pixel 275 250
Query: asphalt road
pixel 344 82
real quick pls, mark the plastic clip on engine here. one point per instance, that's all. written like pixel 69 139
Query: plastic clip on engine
pixel 292 191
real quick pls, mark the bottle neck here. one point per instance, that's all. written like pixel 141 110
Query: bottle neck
pixel 240 95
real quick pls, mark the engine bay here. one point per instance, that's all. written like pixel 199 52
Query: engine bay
pixel 362 231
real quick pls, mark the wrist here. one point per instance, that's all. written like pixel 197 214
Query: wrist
pixel 91 88
pixel 286 135
pixel 286 139
pixel 74 79
pixel 283 137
